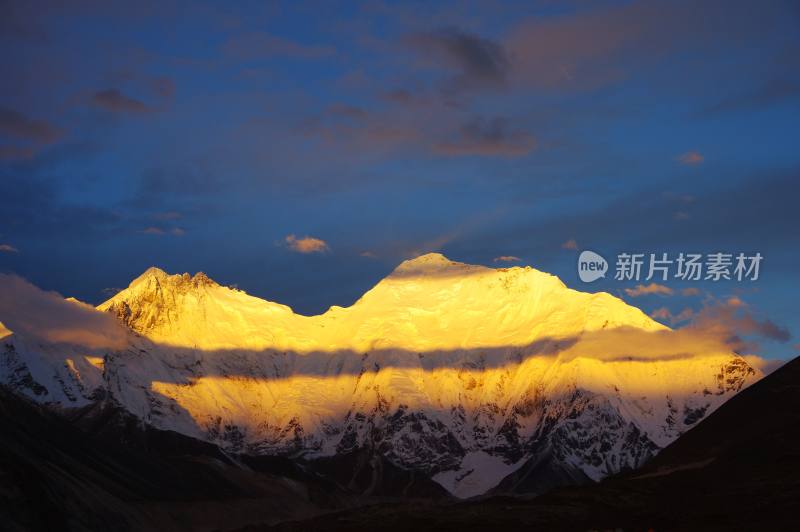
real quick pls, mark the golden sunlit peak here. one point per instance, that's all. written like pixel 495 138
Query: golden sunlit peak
pixel 433 264
pixel 154 271
pixel 428 259
pixel 150 273
pixel 160 275
pixel 433 256
pixel 429 302
pixel 4 331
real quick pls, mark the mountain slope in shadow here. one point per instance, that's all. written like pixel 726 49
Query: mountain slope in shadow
pixel 100 468
pixel 737 470
pixel 112 474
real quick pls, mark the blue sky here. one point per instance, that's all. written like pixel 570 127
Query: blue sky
pixel 199 136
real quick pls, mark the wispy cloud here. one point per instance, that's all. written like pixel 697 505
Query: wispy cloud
pixel 570 244
pixel 8 248
pixel 691 158
pixel 158 231
pixel 652 288
pixel 735 302
pixel 507 258
pixel 771 92
pixel 492 137
pixel 306 244
pixel 18 125
pixel 163 87
pixel 113 100
pixel 478 61
pixel 347 111
pixel 259 44
pixel 661 313
pixel 167 215
pixel 664 314
pixel 606 43
pixel 11 153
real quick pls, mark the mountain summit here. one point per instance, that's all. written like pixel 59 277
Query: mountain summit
pixel 429 302
pixel 477 378
pixel 431 263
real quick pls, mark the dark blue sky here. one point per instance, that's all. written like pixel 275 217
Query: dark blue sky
pixel 196 136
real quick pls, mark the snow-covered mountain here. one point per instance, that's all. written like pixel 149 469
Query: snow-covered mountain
pixel 475 377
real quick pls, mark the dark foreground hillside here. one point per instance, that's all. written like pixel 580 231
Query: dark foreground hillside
pixel 99 468
pixel 113 475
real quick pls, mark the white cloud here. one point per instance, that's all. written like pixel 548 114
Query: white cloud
pixel 307 244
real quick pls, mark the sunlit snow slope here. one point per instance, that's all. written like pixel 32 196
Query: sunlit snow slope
pixel 464 373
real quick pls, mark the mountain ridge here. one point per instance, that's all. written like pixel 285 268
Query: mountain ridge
pixel 460 373
pixel 391 312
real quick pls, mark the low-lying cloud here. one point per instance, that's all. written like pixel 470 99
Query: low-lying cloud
pixel 628 343
pixel 34 313
pixel 733 319
pixel 719 327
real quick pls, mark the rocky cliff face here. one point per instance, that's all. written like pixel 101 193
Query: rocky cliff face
pixel 476 377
